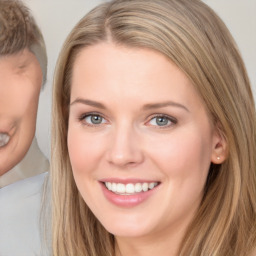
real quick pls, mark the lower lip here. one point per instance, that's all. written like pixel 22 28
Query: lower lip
pixel 127 200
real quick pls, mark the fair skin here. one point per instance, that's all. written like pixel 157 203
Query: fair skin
pixel 20 84
pixel 135 118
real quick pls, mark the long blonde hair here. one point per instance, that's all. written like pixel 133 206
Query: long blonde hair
pixel 193 37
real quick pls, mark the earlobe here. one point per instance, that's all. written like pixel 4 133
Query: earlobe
pixel 219 151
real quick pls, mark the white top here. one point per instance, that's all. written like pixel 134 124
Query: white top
pixel 33 163
pixel 20 204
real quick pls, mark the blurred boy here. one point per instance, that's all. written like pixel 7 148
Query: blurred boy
pixel 23 66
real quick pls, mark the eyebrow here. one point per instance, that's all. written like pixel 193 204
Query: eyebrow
pixel 164 104
pixel 22 65
pixel 88 102
pixel 145 107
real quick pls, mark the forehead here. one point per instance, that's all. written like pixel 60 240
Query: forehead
pixel 109 59
pixel 107 71
pixel 17 62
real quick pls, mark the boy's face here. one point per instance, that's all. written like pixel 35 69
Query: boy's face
pixel 20 83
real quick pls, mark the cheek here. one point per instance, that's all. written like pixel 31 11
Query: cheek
pixel 76 150
pixel 183 154
pixel 184 161
pixel 29 110
pixel 84 150
pixel 22 101
pixel 85 153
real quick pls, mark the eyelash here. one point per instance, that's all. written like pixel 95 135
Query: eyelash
pixel 172 121
pixel 82 118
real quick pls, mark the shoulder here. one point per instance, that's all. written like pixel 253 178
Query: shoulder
pixel 22 189
pixel 21 199
pixel 19 216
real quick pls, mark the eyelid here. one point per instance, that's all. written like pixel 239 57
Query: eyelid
pixel 173 120
pixel 82 117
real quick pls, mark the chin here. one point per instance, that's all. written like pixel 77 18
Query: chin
pixel 126 228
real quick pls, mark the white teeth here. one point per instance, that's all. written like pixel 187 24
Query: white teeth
pixel 120 188
pixel 108 185
pixel 138 187
pixel 145 187
pixel 129 188
pixel 113 187
pixel 151 185
pixel 4 139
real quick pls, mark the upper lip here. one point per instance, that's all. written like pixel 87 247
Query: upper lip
pixel 127 181
pixel 9 131
pixel 4 131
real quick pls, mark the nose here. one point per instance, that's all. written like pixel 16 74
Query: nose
pixel 125 148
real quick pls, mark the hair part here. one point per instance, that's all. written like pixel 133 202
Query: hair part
pixel 18 31
pixel 194 38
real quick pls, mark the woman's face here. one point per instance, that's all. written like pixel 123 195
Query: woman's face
pixel 140 140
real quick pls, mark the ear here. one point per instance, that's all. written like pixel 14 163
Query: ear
pixel 220 148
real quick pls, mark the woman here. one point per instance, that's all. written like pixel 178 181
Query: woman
pixel 154 135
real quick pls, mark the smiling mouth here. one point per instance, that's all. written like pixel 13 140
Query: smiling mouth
pixel 4 139
pixel 130 188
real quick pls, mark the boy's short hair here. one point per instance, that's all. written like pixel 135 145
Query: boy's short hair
pixel 18 31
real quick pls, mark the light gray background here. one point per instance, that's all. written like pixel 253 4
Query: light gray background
pixel 57 17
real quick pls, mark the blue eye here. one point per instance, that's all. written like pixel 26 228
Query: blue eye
pixel 93 119
pixel 162 121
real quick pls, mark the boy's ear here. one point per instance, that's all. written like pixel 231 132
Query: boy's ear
pixel 220 147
